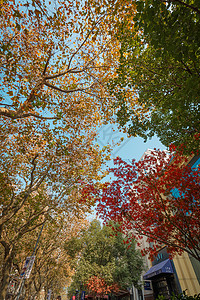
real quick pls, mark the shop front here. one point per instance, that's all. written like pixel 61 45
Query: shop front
pixel 162 279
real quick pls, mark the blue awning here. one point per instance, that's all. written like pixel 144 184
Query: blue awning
pixel 163 267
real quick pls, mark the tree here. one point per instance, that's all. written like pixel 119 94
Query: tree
pixel 22 223
pixel 106 263
pixel 51 268
pixel 157 86
pixel 157 197
pixel 56 120
pixel 40 67
pixel 25 208
pixel 97 287
pixel 54 60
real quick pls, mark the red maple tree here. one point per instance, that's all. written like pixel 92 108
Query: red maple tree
pixel 156 197
pixel 98 287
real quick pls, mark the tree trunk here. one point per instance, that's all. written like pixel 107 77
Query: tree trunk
pixel 7 264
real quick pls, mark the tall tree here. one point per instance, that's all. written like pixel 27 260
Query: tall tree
pixel 55 59
pixel 31 216
pixel 51 268
pixel 157 86
pixel 26 200
pixel 105 263
pixel 157 197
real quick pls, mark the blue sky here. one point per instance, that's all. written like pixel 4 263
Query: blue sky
pixel 135 147
pixel 130 148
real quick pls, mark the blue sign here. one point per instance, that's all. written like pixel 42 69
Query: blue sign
pixel 82 295
pixel 147 285
pixel 49 294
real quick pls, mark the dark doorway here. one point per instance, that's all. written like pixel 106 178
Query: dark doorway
pixel 164 285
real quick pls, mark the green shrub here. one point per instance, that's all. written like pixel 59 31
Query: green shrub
pixel 182 296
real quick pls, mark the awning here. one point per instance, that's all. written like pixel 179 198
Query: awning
pixel 163 267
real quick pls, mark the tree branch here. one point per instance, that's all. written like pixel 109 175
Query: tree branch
pixel 184 4
pixel 66 91
pixel 84 41
pixel 157 238
pixel 47 62
pixel 14 115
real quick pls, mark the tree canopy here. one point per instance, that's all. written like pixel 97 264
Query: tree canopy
pixel 67 67
pixel 106 263
pixel 156 197
pixel 51 269
pixel 54 59
pixel 158 83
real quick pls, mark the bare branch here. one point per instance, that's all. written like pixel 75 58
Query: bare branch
pixel 66 91
pixel 9 105
pixel 41 179
pixel 75 70
pixel 47 62
pixel 184 4
pixel 33 170
pixel 14 115
pixel 85 40
pixel 25 194
pixel 187 69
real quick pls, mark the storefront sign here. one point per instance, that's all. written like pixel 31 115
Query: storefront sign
pixel 147 286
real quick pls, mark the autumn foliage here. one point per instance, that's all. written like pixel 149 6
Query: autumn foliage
pixel 156 197
pixel 98 286
pixel 55 58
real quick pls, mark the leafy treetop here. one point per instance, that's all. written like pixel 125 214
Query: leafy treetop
pixel 105 263
pixel 157 85
pixel 156 197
